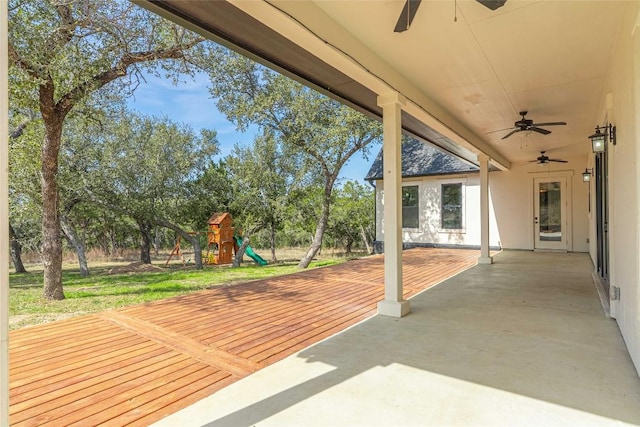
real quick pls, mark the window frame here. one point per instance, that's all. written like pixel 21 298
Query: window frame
pixel 417 207
pixel 462 184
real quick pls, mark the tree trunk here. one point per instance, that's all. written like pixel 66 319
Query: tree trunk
pixel 240 253
pixel 51 242
pixel 14 245
pixel 197 251
pixel 77 243
pixel 272 241
pixel 192 238
pixel 364 239
pixel 16 251
pixel 103 243
pixel 195 242
pixel 348 247
pixel 156 242
pixel 145 242
pixel 316 244
pixel 114 243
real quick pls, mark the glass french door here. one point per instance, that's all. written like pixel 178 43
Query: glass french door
pixel 550 216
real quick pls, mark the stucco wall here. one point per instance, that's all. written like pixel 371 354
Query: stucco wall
pixel 511 207
pixel 513 202
pixel 429 230
pixel 622 109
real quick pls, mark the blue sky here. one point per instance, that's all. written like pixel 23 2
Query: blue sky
pixel 190 102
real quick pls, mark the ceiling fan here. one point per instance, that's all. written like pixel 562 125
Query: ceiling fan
pixel 411 7
pixel 525 124
pixel 543 159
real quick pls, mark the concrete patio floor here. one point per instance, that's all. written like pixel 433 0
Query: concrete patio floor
pixel 524 341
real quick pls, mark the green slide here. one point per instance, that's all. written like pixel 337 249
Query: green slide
pixel 250 253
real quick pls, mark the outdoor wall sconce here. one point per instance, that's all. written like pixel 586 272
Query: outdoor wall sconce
pixel 599 139
pixel 586 177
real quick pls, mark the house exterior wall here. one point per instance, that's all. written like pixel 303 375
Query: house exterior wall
pixel 429 231
pixel 621 106
pixel 512 200
pixel 510 207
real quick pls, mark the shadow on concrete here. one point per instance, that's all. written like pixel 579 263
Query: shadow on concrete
pixel 530 325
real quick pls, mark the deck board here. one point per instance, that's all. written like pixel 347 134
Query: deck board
pixel 136 365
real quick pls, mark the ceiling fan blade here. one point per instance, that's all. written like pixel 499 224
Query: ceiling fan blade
pixel 406 17
pixel 540 130
pixel 511 133
pixel 492 4
pixel 550 124
pixel 498 130
pixel 558 160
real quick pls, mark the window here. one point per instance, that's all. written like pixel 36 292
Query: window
pixel 410 207
pixel 451 207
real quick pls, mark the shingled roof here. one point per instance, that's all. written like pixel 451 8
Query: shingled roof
pixel 420 159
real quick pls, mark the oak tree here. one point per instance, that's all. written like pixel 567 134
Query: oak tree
pixel 317 132
pixel 65 52
pixel 143 167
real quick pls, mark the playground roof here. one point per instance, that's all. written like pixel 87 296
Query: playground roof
pixel 219 217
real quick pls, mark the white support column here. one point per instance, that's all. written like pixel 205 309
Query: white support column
pixel 4 218
pixel 485 254
pixel 393 304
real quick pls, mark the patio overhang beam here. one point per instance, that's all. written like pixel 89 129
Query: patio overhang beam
pixel 234 28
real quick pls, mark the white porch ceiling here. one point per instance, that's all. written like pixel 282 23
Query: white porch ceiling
pixel 468 79
pixel 547 57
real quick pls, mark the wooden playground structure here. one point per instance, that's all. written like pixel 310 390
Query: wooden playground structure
pixel 222 243
pixel 220 236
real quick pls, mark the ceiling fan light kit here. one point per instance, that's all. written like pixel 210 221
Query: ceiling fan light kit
pixel 525 124
pixel 544 159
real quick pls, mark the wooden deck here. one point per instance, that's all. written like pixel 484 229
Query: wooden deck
pixel 135 365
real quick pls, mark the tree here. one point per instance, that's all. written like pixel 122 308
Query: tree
pixel 16 251
pixel 262 179
pixel 75 159
pixel 19 123
pixel 208 192
pixel 352 217
pixel 63 53
pixel 317 133
pixel 142 166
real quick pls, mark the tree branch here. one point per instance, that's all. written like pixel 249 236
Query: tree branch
pixel 151 221
pixel 18 131
pixel 120 70
pixel 20 62
pixel 358 146
pixel 64 33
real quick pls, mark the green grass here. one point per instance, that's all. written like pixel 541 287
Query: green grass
pixel 102 291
